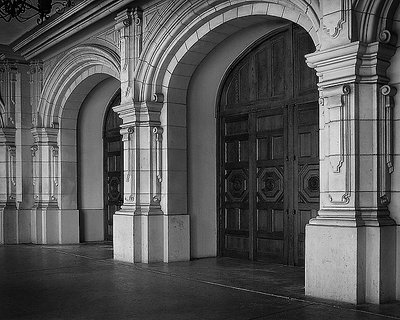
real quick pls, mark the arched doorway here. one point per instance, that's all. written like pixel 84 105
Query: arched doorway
pixel 268 150
pixel 113 166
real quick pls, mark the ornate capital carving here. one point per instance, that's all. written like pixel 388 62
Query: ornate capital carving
pixel 34 149
pixel 124 19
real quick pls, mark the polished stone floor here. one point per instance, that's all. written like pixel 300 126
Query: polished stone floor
pixel 83 282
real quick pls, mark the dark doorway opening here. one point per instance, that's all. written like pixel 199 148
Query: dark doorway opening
pixel 269 150
pixel 113 166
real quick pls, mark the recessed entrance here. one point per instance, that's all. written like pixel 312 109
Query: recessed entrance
pixel 113 164
pixel 269 158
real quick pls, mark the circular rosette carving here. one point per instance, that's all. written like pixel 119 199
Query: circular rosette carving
pixel 270 184
pixel 114 185
pixel 309 183
pixel 236 185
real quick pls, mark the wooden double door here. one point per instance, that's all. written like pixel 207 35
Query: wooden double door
pixel 269 157
pixel 113 167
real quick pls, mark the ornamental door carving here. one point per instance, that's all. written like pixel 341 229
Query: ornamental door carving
pixel 113 164
pixel 269 161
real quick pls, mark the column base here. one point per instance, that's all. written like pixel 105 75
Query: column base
pixel 69 226
pixel 354 264
pixel 9 225
pixel 151 238
pixel 177 241
pixel 51 225
pixel 24 226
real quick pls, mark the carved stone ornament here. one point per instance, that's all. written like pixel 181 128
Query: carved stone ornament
pixel 333 21
pixel 385 36
pixel 158 132
pixel 34 149
pixel 385 131
pixel 158 97
pixel 339 149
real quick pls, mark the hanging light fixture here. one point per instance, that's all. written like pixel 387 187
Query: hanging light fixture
pixel 23 10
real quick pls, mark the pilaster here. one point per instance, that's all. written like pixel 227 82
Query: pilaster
pixel 129 24
pixel 10 181
pixel 350 246
pixel 142 138
pixel 143 232
pixel 8 204
pixel 45 213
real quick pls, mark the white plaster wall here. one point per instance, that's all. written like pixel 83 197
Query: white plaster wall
pixel 201 124
pixel 394 207
pixel 90 159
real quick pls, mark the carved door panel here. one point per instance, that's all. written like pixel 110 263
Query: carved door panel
pixel 236 186
pixel 269 164
pixel 113 164
pixel 306 165
pixel 271 184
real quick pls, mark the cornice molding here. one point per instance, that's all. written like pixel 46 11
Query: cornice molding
pixel 63 27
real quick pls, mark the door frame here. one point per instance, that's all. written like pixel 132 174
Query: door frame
pixel 251 47
pixel 110 105
pixel 290 102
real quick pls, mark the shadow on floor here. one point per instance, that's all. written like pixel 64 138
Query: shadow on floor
pixel 84 282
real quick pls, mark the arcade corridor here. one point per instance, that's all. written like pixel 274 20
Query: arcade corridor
pixel 84 282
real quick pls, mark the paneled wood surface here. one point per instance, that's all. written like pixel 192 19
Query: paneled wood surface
pixel 113 168
pixel 268 160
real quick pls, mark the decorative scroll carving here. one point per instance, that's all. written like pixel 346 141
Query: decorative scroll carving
pixel 130 130
pixel 158 132
pixel 129 26
pixel 335 19
pixel 158 97
pixel 339 137
pixel 385 135
pixel 36 84
pixel 8 92
pixel 158 137
pixel 54 170
pixel 34 150
pixel 129 174
pixel 11 172
pixel 385 36
pixel 138 31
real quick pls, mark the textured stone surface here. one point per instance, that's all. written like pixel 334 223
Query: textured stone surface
pixel 83 282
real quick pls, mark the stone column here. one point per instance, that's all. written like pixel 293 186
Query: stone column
pixel 350 246
pixel 10 181
pixel 8 207
pixel 143 231
pixel 45 221
pixel 138 226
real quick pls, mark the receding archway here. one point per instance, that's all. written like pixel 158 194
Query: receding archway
pixel 90 160
pixel 113 165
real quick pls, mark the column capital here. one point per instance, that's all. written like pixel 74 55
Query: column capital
pixel 139 113
pixel 353 62
pixel 45 135
pixel 7 135
pixel 124 19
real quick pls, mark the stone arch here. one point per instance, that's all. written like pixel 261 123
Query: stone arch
pixel 73 69
pixel 165 70
pixel 65 88
pixel 191 34
pixel 376 16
